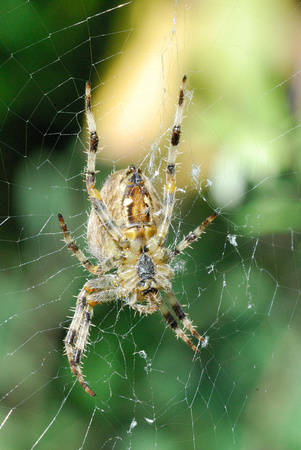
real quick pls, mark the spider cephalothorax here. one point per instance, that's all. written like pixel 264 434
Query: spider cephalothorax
pixel 127 230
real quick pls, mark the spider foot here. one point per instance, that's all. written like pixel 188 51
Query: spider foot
pixel 77 372
pixel 187 324
pixel 180 334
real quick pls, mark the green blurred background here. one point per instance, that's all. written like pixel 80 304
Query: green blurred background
pixel 240 282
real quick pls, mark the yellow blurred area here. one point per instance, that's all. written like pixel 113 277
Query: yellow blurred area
pixel 141 86
pixel 231 129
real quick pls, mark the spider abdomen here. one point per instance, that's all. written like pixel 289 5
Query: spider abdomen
pixel 135 207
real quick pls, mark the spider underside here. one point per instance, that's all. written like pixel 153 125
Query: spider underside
pixel 127 230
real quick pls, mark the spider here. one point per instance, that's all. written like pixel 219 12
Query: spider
pixel 127 230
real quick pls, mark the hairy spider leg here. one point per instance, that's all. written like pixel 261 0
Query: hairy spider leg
pixel 181 314
pixel 172 321
pixel 170 186
pixel 96 270
pixel 78 328
pixel 95 197
pixel 192 236
pixel 78 332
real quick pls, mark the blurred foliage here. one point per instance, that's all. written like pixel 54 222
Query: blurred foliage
pixel 240 282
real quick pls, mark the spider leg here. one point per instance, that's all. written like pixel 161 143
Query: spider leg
pixel 95 197
pixel 173 323
pixel 170 186
pixel 192 236
pixel 77 336
pixel 181 314
pixel 96 270
pixel 78 332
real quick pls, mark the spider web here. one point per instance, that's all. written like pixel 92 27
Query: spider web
pixel 239 283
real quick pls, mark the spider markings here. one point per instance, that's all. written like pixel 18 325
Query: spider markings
pixel 127 230
pixel 145 267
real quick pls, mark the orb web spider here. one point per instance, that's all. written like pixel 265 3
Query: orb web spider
pixel 127 230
